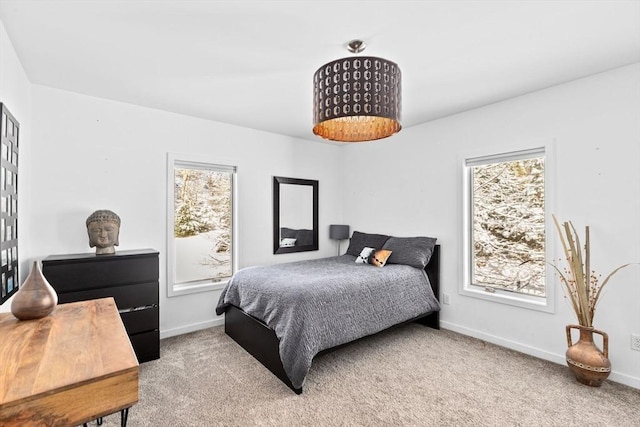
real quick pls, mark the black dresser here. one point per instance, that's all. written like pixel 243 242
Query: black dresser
pixel 130 277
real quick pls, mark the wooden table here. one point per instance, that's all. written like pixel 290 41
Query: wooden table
pixel 68 368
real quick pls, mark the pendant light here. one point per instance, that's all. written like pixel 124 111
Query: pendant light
pixel 357 99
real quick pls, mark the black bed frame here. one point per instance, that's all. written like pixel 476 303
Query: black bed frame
pixel 262 343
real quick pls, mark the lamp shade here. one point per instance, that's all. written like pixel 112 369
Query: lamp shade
pixel 338 232
pixel 357 99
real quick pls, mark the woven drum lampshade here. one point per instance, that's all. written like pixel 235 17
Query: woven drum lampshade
pixel 357 99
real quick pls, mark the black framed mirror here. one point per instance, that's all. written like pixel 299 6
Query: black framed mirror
pixel 295 215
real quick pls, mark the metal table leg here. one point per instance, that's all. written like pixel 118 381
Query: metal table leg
pixel 124 414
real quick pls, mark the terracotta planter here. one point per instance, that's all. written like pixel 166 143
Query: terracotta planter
pixel 35 298
pixel 590 365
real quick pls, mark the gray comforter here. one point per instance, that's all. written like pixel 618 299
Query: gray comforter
pixel 318 304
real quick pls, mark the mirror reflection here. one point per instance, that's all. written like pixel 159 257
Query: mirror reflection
pixel 295 215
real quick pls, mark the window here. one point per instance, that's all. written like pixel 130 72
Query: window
pixel 505 239
pixel 200 236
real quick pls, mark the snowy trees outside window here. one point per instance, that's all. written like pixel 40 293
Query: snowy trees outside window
pixel 202 226
pixel 507 223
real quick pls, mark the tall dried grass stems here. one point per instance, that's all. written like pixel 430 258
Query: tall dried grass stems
pixel 582 285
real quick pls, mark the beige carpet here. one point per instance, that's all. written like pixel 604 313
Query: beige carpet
pixel 408 376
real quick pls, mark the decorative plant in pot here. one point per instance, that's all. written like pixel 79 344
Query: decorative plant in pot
pixel 583 287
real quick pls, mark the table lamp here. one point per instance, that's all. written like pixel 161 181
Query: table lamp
pixel 338 232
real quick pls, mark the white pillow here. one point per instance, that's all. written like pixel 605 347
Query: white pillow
pixel 287 242
pixel 363 258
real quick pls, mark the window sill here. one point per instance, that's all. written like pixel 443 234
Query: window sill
pixel 510 298
pixel 194 288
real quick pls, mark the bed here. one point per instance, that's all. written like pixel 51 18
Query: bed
pixel 287 314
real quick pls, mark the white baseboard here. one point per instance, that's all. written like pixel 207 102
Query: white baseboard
pixel 191 328
pixel 532 351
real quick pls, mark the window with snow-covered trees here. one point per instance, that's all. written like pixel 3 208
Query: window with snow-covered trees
pixel 201 220
pixel 505 217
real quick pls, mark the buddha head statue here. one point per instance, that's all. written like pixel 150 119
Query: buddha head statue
pixel 103 227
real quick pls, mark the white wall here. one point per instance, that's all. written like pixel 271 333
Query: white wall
pixel 409 185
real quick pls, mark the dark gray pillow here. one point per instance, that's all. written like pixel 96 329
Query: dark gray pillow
pixel 304 237
pixel 361 240
pixel 413 251
pixel 287 233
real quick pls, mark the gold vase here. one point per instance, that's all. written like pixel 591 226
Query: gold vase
pixel 590 365
pixel 35 298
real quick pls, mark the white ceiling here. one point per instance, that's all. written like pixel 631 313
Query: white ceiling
pixel 251 63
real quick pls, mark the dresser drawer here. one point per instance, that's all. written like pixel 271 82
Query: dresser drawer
pixel 146 345
pixel 143 320
pixel 130 296
pixel 76 274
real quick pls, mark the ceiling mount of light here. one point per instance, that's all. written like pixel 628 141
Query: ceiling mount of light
pixel 357 99
pixel 356 46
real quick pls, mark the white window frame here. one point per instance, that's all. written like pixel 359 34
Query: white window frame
pixel 497 154
pixel 198 162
